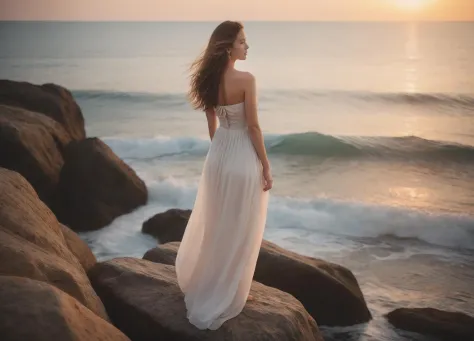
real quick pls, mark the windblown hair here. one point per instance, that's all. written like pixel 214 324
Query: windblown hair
pixel 207 70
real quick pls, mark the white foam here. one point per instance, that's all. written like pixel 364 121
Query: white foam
pixel 352 219
pixel 311 220
pixel 173 193
pixel 123 237
pixel 298 225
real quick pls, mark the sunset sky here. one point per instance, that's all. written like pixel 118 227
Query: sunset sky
pixel 202 10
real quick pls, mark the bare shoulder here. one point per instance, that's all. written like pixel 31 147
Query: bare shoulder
pixel 245 78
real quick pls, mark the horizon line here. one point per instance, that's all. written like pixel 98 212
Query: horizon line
pixel 252 20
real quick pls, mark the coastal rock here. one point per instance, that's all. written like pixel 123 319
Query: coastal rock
pixel 146 303
pixel 96 186
pixel 167 226
pixel 32 243
pixel 49 99
pixel 163 253
pixel 79 248
pixel 34 310
pixel 329 292
pixel 443 325
pixel 32 144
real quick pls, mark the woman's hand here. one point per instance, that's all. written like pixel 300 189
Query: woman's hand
pixel 267 176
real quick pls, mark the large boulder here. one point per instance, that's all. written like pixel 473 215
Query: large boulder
pixel 96 186
pixel 32 145
pixel 443 325
pixel 33 310
pixel 167 226
pixel 49 99
pixel 32 243
pixel 79 248
pixel 146 303
pixel 329 292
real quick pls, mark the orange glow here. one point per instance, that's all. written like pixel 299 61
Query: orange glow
pixel 244 10
pixel 413 4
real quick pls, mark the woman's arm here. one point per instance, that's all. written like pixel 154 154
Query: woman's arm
pixel 252 120
pixel 211 122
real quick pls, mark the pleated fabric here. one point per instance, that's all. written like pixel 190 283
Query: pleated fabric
pixel 218 253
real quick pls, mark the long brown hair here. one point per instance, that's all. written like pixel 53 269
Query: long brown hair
pixel 207 70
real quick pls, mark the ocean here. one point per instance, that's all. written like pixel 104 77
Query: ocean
pixel 369 129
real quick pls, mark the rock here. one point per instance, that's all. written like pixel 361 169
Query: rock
pixel 33 310
pixel 444 325
pixel 32 244
pixel 32 144
pixel 96 186
pixel 145 302
pixel 79 248
pixel 49 99
pixel 164 253
pixel 168 226
pixel 329 292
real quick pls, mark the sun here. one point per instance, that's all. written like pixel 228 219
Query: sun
pixel 412 4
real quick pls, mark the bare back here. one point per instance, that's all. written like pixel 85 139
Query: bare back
pixel 232 87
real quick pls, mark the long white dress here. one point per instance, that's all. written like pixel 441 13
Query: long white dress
pixel 218 253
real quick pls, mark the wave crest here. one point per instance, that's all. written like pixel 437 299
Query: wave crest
pixel 308 144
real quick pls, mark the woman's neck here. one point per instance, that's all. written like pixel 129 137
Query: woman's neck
pixel 231 64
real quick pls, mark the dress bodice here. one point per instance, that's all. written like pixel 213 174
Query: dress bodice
pixel 232 116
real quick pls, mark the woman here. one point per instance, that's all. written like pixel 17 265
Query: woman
pixel 217 256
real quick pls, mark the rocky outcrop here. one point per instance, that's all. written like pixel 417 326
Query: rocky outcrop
pixel 79 248
pixel 96 186
pixel 443 325
pixel 167 226
pixel 329 292
pixel 34 310
pixel 145 302
pixel 51 100
pixel 42 137
pixel 32 243
pixel 32 145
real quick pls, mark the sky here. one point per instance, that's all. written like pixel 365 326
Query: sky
pixel 244 10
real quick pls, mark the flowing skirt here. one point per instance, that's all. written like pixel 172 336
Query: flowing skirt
pixel 218 253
